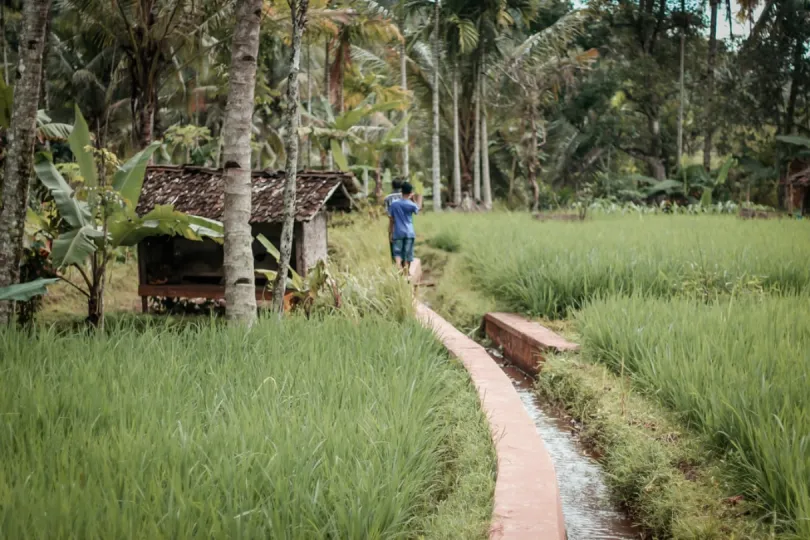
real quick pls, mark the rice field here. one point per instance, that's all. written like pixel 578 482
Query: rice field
pixel 549 269
pixel 709 315
pixel 332 428
pixel 737 370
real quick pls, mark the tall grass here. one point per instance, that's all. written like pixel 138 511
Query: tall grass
pixel 739 370
pixel 336 428
pixel 550 268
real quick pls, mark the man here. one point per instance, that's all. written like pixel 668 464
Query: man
pixel 395 195
pixel 400 214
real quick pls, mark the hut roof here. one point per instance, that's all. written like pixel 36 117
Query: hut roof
pixel 199 191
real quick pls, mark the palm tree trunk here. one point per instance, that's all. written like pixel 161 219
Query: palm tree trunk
pixel 19 161
pixel 477 137
pixel 298 9
pixel 403 82
pixel 532 165
pixel 487 187
pixel 437 179
pixel 790 111
pixel 240 282
pixel 327 83
pixel 3 41
pixel 710 67
pixel 681 92
pixel 309 103
pixel 456 143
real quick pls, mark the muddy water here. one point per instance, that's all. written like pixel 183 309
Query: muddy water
pixel 589 513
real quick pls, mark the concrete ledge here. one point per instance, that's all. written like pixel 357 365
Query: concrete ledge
pixel 415 271
pixel 524 341
pixel 527 498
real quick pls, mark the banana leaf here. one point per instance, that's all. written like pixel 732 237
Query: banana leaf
pixel 128 180
pixel 22 292
pixel 75 213
pixel 79 140
pixel 74 246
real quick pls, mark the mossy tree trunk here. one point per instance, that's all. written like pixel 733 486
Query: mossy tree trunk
pixel 240 287
pixel 19 160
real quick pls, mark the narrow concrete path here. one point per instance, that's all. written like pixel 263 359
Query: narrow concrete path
pixel 527 499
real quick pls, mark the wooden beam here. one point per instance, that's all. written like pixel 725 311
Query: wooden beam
pixel 210 292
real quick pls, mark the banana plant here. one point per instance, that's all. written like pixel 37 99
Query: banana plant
pixel 101 218
pixel 330 130
pixel 303 291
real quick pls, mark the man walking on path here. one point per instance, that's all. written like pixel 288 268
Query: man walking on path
pixel 395 195
pixel 400 214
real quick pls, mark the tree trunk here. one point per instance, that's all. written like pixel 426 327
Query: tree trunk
pixel 456 143
pixel 146 120
pixel 378 181
pixel 437 179
pixel 477 137
pixel 532 165
pixel 681 99
pixel 485 177
pixel 403 82
pixel 21 138
pixel 298 9
pixel 3 41
pixel 240 281
pixel 309 103
pixel 94 304
pixel 710 68
pixel 795 82
pixel 327 84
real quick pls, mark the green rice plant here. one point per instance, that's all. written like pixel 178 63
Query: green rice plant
pixel 551 268
pixel 737 369
pixel 325 428
pixel 447 240
pixel 379 292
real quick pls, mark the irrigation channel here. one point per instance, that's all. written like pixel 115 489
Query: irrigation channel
pixel 589 513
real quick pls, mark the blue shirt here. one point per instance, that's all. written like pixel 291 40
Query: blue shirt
pixel 402 211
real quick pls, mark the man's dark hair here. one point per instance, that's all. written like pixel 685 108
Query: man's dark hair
pixel 396 185
pixel 407 188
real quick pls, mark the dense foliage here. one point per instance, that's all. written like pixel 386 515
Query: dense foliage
pixel 572 95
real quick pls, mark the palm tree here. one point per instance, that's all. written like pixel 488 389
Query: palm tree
pixel 485 177
pixel 456 143
pixel 20 156
pixel 710 68
pixel 240 288
pixel 462 38
pixel 150 34
pixel 437 178
pixel 298 13
pixel 403 82
pixel 541 62
pixel 477 136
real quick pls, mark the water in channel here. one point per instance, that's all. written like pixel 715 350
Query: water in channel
pixel 588 510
